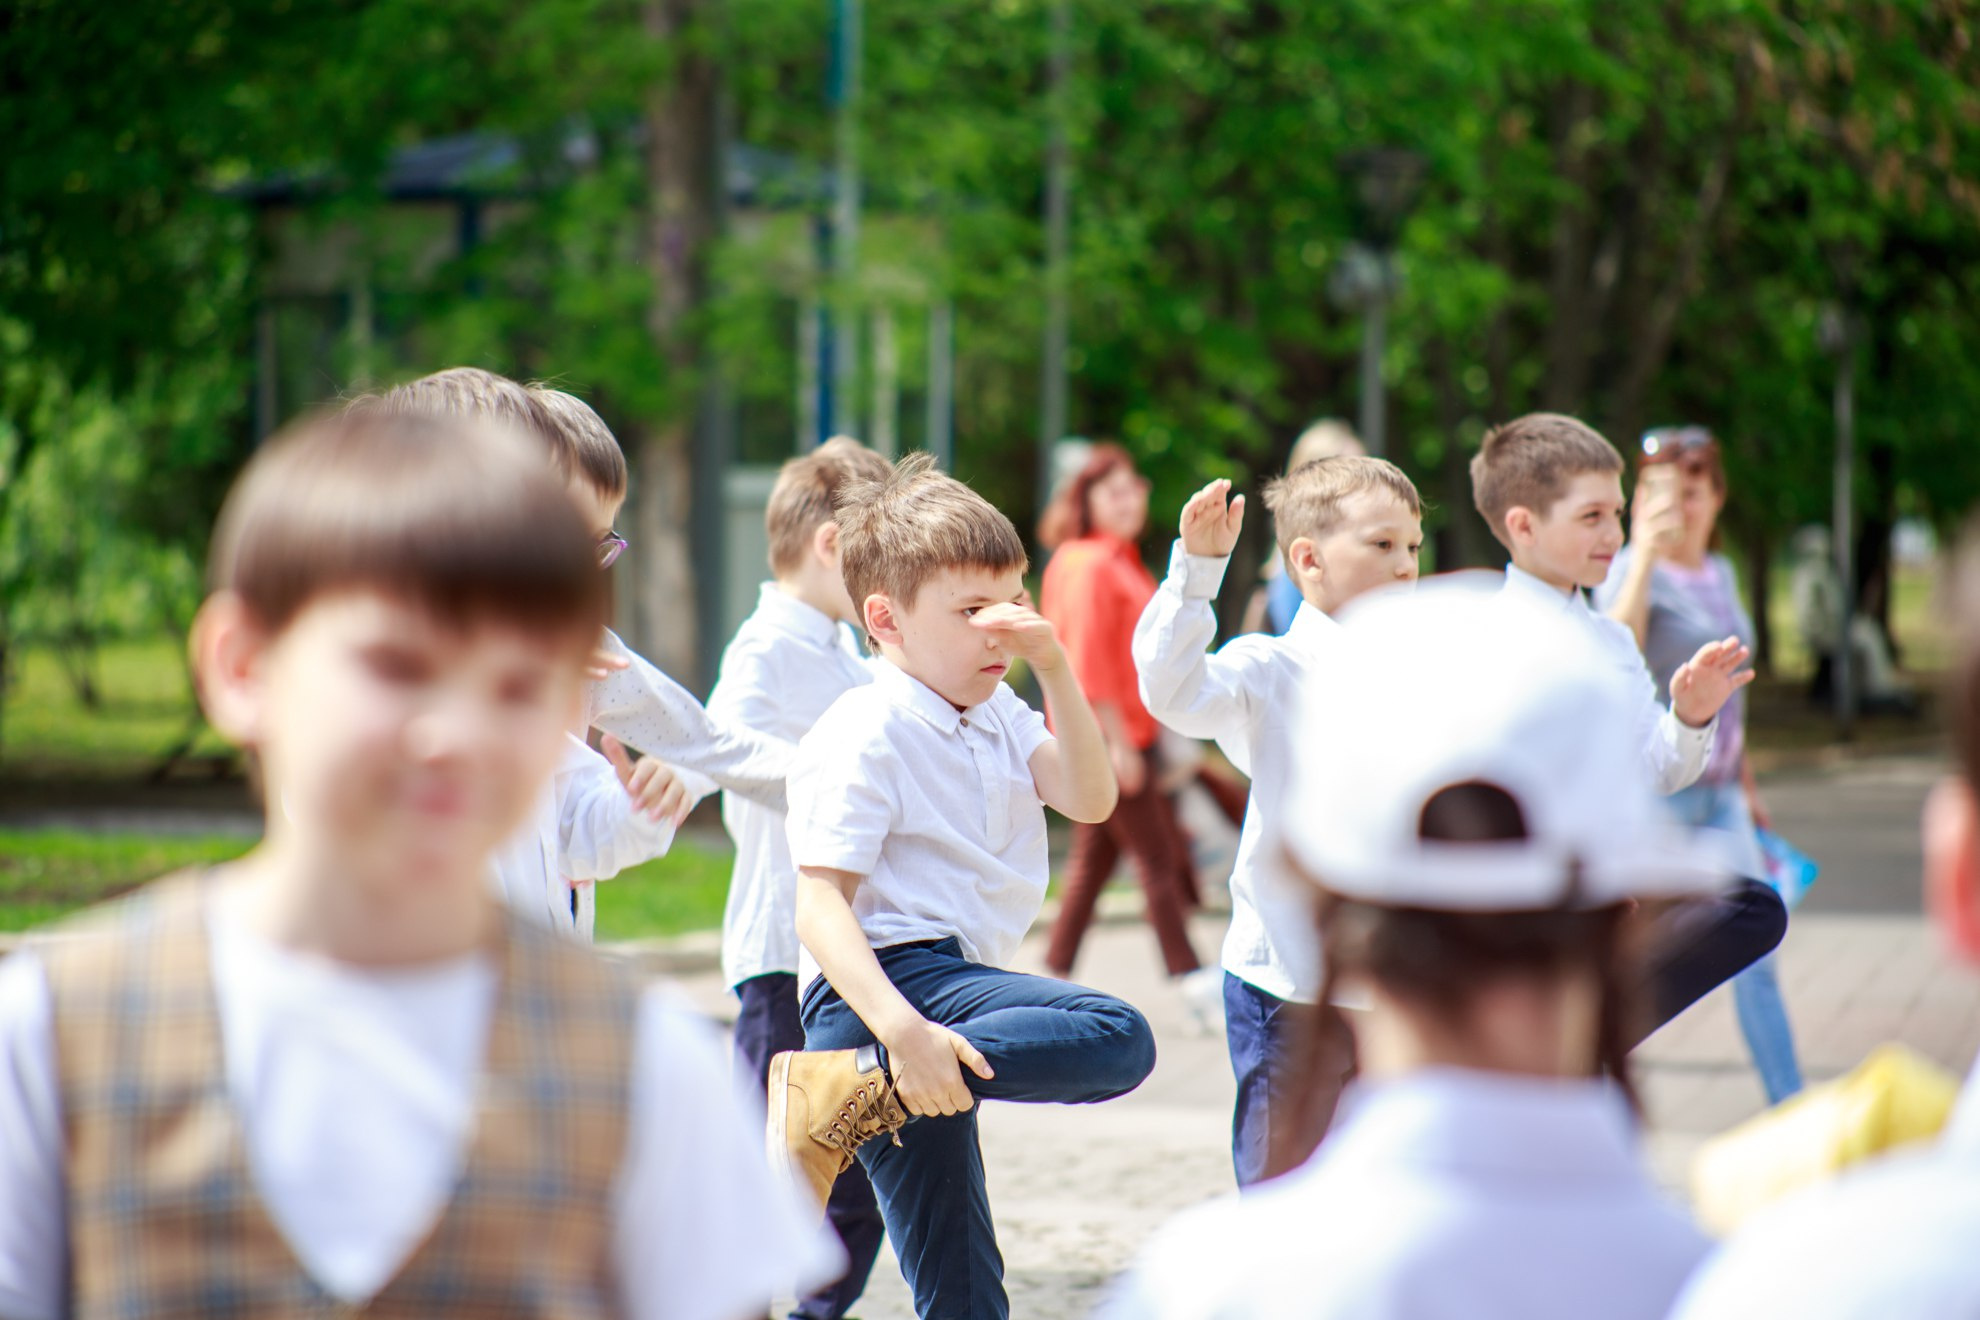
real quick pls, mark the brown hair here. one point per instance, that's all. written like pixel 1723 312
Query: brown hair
pixel 371 499
pixel 1307 501
pixel 807 488
pixel 585 446
pixel 897 533
pixel 1528 462
pixel 1962 601
pixel 1070 514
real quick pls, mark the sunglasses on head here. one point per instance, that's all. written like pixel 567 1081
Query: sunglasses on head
pixel 1689 445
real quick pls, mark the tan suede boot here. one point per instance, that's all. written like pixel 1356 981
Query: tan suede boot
pixel 825 1105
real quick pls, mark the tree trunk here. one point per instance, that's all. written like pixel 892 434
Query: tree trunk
pixel 1759 591
pixel 681 179
pixel 1568 284
pixel 1459 543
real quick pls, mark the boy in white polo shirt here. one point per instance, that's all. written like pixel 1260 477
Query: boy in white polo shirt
pixel 917 823
pixel 1346 526
pixel 791 659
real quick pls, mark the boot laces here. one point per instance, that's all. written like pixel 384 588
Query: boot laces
pixel 865 1116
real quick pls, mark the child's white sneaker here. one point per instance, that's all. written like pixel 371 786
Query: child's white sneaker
pixel 1203 999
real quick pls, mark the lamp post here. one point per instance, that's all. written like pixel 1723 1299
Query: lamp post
pixel 1386 182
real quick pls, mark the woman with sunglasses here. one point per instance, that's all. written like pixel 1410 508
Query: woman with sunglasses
pixel 1672 589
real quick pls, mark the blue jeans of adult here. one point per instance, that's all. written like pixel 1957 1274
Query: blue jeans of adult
pixel 1757 999
pixel 1291 1061
pixel 766 1025
pixel 1047 1042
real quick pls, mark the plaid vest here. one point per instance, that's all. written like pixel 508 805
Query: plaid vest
pixel 163 1216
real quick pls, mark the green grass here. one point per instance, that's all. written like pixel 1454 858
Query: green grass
pixel 147 708
pixel 47 873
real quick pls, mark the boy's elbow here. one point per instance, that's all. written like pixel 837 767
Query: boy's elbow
pixel 1099 807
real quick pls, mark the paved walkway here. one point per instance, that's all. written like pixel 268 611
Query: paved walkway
pixel 1076 1190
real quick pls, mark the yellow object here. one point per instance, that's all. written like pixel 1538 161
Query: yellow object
pixel 1894 1097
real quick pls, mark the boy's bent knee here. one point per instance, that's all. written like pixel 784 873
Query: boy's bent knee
pixel 1121 1059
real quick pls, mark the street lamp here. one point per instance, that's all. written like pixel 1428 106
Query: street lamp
pixel 1386 183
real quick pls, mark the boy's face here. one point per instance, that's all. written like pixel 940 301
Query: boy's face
pixel 399 748
pixel 1573 543
pixel 1375 542
pixel 933 639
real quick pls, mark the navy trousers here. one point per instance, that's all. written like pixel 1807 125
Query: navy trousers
pixel 768 1024
pixel 1291 1061
pixel 1047 1042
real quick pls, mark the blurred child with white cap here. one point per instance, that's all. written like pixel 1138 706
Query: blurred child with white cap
pixel 1474 860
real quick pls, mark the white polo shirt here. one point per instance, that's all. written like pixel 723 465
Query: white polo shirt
pixel 1447 1194
pixel 785 667
pixel 936 807
pixel 1674 752
pixel 1900 1237
pixel 1243 696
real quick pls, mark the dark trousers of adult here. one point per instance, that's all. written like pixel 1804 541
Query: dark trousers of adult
pixel 1144 827
pixel 768 1024
pixel 1047 1042
pixel 1291 1061
pixel 1697 946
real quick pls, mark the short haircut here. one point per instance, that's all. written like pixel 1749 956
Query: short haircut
pixel 807 491
pixel 897 533
pixel 1307 501
pixel 367 499
pixel 586 446
pixel 1962 601
pixel 1528 463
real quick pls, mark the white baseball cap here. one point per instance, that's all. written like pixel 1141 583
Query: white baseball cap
pixel 1461 683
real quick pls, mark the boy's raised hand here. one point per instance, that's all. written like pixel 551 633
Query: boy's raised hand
pixel 1707 681
pixel 656 790
pixel 1025 632
pixel 927 1062
pixel 1209 529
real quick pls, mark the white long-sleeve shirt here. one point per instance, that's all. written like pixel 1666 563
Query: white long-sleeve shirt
pixel 356 1094
pixel 786 665
pixel 1242 696
pixel 1674 752
pixel 583 828
pixel 642 707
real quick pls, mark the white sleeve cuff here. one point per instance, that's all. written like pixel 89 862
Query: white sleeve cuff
pixel 1201 576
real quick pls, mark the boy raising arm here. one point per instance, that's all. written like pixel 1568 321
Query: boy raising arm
pixel 917 821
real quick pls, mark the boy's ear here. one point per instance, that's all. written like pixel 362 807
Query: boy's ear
pixel 1303 557
pixel 1952 866
pixel 1519 524
pixel 877 611
pixel 228 645
pixel 825 543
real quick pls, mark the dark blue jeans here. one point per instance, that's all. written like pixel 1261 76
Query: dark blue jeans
pixel 1047 1041
pixel 1291 1061
pixel 768 1024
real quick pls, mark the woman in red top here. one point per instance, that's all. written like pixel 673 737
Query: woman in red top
pixel 1094 590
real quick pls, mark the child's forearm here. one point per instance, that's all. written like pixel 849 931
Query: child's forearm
pixel 1631 607
pixel 1088 787
pixel 827 927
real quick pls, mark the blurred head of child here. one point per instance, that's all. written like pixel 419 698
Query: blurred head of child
pixel 803 528
pixel 399 613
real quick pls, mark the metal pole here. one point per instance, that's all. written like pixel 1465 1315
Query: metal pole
pixel 1052 392
pixel 1843 535
pixel 845 214
pixel 941 384
pixel 1374 338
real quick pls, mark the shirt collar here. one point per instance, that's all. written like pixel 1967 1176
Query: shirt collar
pixel 1487 1124
pixel 796 618
pixel 911 694
pixel 1310 627
pixel 1518 579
